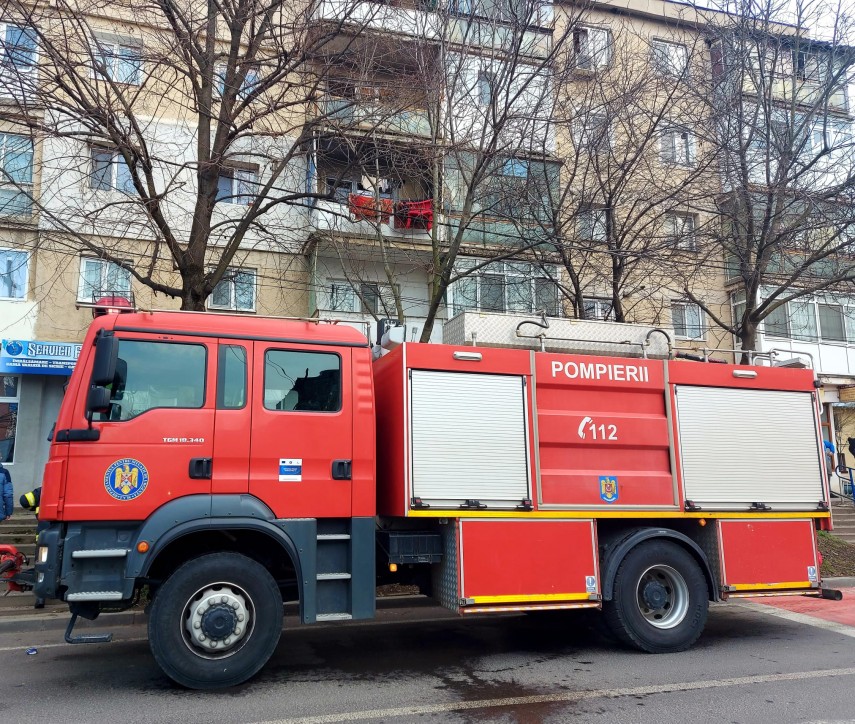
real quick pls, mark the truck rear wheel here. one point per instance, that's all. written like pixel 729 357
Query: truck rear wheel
pixel 215 621
pixel 660 599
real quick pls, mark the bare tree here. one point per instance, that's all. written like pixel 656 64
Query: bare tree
pixel 178 125
pixel 778 103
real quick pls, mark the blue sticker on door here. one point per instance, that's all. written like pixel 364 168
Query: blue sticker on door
pixel 290 470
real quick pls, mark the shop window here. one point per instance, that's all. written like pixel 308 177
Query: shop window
pixel 302 381
pixel 10 393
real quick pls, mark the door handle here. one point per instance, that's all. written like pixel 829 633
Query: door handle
pixel 201 468
pixel 341 469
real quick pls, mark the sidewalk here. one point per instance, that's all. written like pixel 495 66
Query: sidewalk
pixel 18 615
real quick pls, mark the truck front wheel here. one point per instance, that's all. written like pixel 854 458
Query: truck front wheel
pixel 660 599
pixel 215 621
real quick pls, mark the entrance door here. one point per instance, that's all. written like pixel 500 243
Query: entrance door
pixel 156 437
pixel 302 429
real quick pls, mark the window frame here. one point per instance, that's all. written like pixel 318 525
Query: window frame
pixel 26 274
pixel 668 71
pixel 677 238
pixel 104 265
pixel 232 305
pixel 669 154
pixel 593 133
pixel 599 303
pixel 16 401
pixel 6 57
pixel 702 325
pixel 237 197
pixel 117 161
pixel 593 218
pixel 17 187
pixel 510 270
pixel 592 62
pixel 106 45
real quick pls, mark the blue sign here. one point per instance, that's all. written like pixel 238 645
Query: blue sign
pixel 126 479
pixel 27 356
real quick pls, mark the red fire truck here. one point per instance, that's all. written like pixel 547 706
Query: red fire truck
pixel 227 464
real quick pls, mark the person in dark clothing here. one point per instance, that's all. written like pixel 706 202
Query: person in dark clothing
pixel 7 494
pixel 31 501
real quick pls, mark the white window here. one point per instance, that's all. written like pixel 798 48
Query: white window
pixel 591 224
pixel 100 278
pixel 737 306
pixel 811 67
pixel 237 186
pixel 236 291
pixel 506 287
pixel 598 308
pixel 249 84
pixel 677 146
pixel 669 59
pixel 680 231
pixel 687 319
pixel 10 396
pixel 831 322
pixel 485 88
pixel 360 297
pixel 593 132
pixel 591 48
pixel 109 172
pixel 117 60
pixel 18 50
pixel 16 175
pixel 13 274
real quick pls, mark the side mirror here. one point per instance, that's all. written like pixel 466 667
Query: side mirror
pixel 98 400
pixel 106 354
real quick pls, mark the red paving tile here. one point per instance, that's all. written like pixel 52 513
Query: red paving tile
pixel 837 611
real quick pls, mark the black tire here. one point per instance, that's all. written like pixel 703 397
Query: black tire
pixel 660 599
pixel 238 593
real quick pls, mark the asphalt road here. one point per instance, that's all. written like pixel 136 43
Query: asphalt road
pixel 416 665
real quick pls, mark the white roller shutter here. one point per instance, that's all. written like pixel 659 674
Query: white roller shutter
pixel 468 438
pixel 742 446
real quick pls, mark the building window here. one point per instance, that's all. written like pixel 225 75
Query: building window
pixel 680 231
pixel 593 133
pixel 236 291
pixel 16 179
pixel 796 319
pixel 591 224
pixel 250 81
pixel 19 48
pixel 688 320
pixel 677 146
pixel 669 59
pixel 100 278
pixel 591 48
pixel 116 60
pixel 485 88
pixel 506 287
pixel 810 67
pixel 109 171
pixel 13 274
pixel 9 397
pixel 598 308
pixel 831 326
pixel 237 186
pixel 372 298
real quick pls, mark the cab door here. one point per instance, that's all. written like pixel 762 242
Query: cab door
pixel 233 419
pixel 302 429
pixel 155 443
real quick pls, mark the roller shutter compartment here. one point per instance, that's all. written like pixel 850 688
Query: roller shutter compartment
pixel 468 438
pixel 740 446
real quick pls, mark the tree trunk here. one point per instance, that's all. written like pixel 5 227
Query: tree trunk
pixel 747 341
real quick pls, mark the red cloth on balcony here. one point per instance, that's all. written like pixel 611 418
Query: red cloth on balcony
pixel 414 215
pixel 363 206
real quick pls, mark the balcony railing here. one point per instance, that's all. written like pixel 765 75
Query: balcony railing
pixel 375 116
pixel 789 89
pixel 365 216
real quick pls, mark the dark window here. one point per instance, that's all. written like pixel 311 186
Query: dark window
pixel 156 374
pixel 231 378
pixel 302 381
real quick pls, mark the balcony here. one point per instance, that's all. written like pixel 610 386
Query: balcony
pixel 353 114
pixel 420 20
pixel 366 217
pixel 789 89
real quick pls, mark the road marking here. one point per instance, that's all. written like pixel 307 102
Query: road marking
pixel 24 647
pixel 840 628
pixel 562 697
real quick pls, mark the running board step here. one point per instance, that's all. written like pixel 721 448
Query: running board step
pixel 333 576
pixel 333 617
pixel 334 536
pixel 95 596
pixel 103 553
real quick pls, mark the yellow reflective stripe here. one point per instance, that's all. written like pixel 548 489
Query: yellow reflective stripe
pixel 768 586
pixel 531 598
pixel 31 499
pixel 431 513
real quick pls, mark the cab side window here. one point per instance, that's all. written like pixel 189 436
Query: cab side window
pixel 151 375
pixel 231 377
pixel 302 381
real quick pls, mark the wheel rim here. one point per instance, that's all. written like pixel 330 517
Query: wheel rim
pixel 662 596
pixel 218 620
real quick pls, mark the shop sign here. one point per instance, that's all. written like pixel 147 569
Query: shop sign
pixel 27 356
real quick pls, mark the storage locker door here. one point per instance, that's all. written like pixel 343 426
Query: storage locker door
pixel 741 446
pixel 468 438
